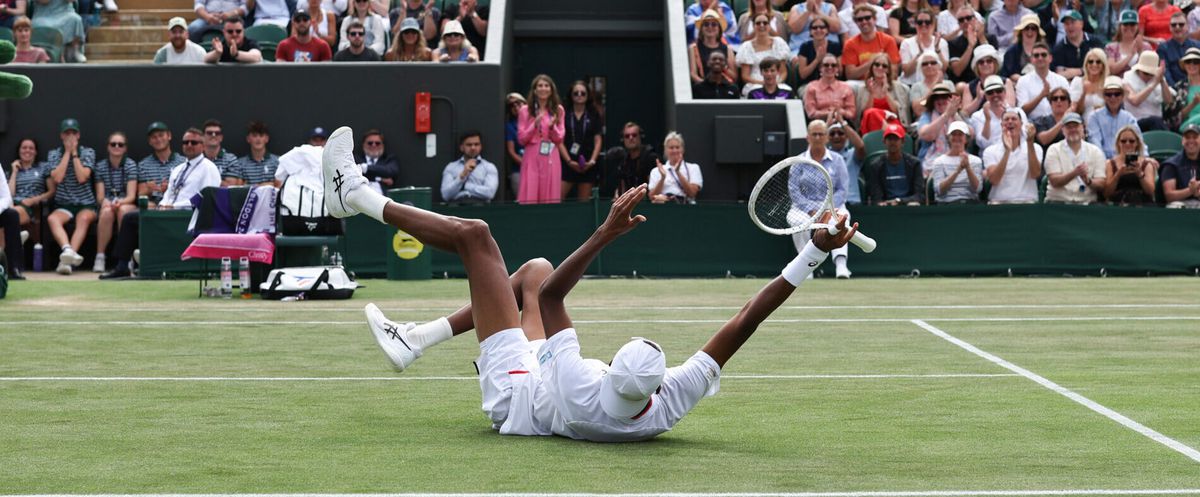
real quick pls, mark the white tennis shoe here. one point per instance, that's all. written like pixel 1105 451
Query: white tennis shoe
pixel 392 337
pixel 341 174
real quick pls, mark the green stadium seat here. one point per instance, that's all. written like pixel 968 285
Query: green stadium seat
pixel 268 50
pixel 266 33
pixel 740 7
pixel 6 34
pixel 929 192
pixel 873 142
pixel 49 39
pixel 1163 144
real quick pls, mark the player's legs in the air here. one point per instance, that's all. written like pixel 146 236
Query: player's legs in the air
pixel 494 308
pixel 734 333
pixel 404 343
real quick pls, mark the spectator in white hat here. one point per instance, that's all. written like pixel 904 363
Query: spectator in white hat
pixel 1145 91
pixel 454 46
pixel 1103 125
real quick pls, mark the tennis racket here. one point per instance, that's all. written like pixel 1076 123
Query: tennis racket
pixel 791 196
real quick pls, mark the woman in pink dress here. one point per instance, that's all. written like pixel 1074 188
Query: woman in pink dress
pixel 540 130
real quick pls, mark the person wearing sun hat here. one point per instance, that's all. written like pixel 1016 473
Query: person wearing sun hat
pixel 728 26
pixel 1145 91
pixel 1018 59
pixel 1187 90
pixel 1103 124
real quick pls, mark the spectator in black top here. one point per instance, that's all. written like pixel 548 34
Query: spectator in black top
pixel 474 21
pixel 581 144
pixel 1069 53
pixel 233 45
pixel 895 177
pixel 1179 173
pixel 357 50
pixel 961 49
pixel 714 85
pixel 632 161
pixel 378 166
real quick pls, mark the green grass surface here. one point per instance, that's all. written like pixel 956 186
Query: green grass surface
pixel 816 425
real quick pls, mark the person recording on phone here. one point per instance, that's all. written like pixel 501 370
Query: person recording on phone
pixel 1130 172
pixel 471 179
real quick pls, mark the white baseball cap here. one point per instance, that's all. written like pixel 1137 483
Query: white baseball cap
pixel 176 22
pixel 637 371
pixel 960 127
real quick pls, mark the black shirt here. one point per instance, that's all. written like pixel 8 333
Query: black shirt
pixel 475 37
pixel 246 45
pixel 1067 55
pixel 711 91
pixel 957 48
pixel 345 55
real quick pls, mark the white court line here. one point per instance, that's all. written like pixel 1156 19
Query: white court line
pixel 1175 445
pixel 475 378
pixel 615 321
pixel 270 306
pixel 915 493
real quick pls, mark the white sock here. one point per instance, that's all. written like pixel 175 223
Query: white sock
pixel 426 335
pixel 804 264
pixel 367 201
pixel 67 249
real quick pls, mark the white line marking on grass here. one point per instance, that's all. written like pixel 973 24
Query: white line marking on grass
pixel 611 321
pixel 1175 445
pixel 916 493
pixel 475 378
pixel 260 307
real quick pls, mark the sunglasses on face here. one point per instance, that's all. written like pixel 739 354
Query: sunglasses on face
pixel 630 135
pixel 192 142
pixel 925 22
pixel 360 33
pixel 1191 62
pixel 987 61
pixel 213 133
pixel 837 133
pixel 1178 24
pixel 233 31
pixel 710 25
pixel 1060 98
pixel 818 26
pixel 965 19
pixel 374 143
pixel 1113 94
pixel 830 65
pixel 116 144
pixel 881 64
pixel 1095 62
pixel 762 23
pixel 579 93
pixel 864 19
pixel 929 63
pixel 453 35
pixel 1129 141
pixel 1039 55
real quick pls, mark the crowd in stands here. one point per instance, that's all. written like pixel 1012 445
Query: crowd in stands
pixel 252 31
pixel 969 101
pixel 72 189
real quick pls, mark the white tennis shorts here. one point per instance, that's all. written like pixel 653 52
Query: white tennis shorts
pixel 511 383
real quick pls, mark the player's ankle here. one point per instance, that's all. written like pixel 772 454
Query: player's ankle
pixel 367 201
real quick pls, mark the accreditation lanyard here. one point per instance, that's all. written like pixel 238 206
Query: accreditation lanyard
pixel 182 179
pixel 577 132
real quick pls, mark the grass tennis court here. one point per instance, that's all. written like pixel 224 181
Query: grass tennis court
pixel 140 387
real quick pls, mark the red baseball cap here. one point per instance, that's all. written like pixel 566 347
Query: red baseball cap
pixel 894 129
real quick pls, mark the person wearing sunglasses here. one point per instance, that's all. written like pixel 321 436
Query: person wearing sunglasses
pixel 901 20
pixel 986 121
pixel 709 40
pixel 745 24
pixel 234 46
pixel 1146 89
pixel 455 47
pixel 1170 52
pixel 926 39
pixel 882 98
pixel 374 26
pixel 408 45
pixel 1002 23
pixel 214 136
pixel 756 49
pixel 1087 89
pixel 812 52
pixel 303 45
pixel 116 188
pixel 1103 124
pixel 961 47
pixel 472 18
pixel 859 51
pixel 1186 107
pixel 1034 87
pixel 1130 172
pixel 580 148
pixel 1155 17
pixel 378 166
pixel 1070 53
pixel 1180 179
pixel 830 94
pixel 803 14
pixel 1075 169
pixel 632 161
pixel 1050 128
pixel 850 28
pixel 699 8
pixel 1018 59
pixel 212 14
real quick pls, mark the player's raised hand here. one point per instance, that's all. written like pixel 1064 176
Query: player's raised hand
pixel 619 221
pixel 827 242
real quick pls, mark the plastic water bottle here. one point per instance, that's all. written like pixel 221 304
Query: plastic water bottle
pixel 226 278
pixel 244 276
pixel 37 257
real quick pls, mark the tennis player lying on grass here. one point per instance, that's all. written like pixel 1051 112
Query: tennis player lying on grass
pixel 536 383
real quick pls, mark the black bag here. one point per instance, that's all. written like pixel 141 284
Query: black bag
pixel 301 212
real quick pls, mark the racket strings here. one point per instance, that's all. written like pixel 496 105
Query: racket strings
pixel 792 197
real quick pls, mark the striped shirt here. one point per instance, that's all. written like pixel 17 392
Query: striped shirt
pixel 152 169
pixel 71 191
pixel 115 179
pixel 224 162
pixel 31 182
pixel 256 172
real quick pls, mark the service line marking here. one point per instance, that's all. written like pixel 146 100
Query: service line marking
pixel 475 378
pixel 915 493
pixel 613 321
pixel 1175 445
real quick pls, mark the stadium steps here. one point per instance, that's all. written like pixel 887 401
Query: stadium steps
pixel 133 34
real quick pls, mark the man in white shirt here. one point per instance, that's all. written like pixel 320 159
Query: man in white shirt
pixel 1074 167
pixel 986 120
pixel 196 173
pixel 1034 87
pixel 531 387
pixel 1014 165
pixel 179 49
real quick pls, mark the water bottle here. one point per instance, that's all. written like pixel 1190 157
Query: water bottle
pixel 226 278
pixel 244 276
pixel 336 259
pixel 37 257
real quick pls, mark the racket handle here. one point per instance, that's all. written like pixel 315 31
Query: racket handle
pixel 864 242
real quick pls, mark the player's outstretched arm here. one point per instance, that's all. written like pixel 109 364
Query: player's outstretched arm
pixel 737 330
pixel 554 291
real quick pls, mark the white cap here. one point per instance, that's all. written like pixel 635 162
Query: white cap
pixel 637 371
pixel 176 21
pixel 453 26
pixel 958 126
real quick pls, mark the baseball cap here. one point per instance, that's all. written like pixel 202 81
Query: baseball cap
pixel 637 371
pixel 318 131
pixel 1114 82
pixel 894 130
pixel 157 126
pixel 1189 128
pixel 1072 117
pixel 409 24
pixel 452 27
pixel 993 82
pixel 176 22
pixel 68 124
pixel 301 14
pixel 1071 14
pixel 960 127
pixel 1129 16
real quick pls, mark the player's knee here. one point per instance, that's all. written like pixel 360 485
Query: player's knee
pixel 539 266
pixel 474 230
